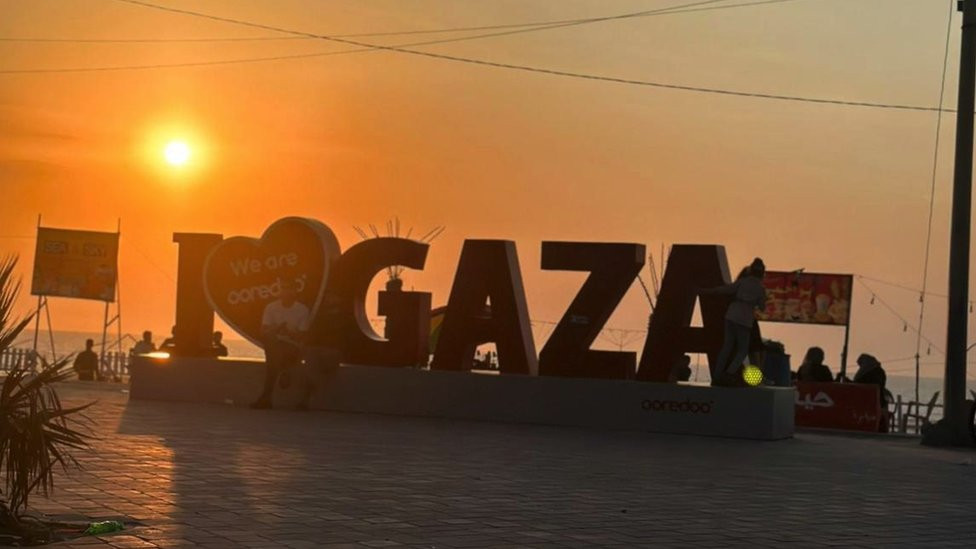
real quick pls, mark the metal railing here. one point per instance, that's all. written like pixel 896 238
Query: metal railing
pixel 909 416
pixel 113 366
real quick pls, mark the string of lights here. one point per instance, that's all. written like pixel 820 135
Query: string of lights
pixel 905 323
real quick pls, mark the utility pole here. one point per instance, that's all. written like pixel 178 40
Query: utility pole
pixel 954 428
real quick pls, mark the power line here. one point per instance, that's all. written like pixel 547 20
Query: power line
pixel 404 49
pixel 540 70
pixel 364 47
pixel 672 11
pixel 935 171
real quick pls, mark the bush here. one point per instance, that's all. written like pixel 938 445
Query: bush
pixel 36 434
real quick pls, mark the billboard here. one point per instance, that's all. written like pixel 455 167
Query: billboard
pixel 80 264
pixel 807 298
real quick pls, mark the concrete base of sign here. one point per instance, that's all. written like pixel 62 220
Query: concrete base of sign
pixel 760 413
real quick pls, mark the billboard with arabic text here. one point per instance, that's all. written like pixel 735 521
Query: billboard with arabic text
pixel 80 264
pixel 807 298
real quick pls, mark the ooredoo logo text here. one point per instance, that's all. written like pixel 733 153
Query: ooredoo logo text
pixel 687 406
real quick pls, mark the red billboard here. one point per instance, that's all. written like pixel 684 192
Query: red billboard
pixel 807 298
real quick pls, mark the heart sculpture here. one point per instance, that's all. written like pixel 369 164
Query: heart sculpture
pixel 242 275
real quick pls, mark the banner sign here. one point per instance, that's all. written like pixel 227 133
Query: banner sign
pixel 850 406
pixel 807 298
pixel 79 264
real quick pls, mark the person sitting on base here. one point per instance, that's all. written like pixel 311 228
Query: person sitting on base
pixel 219 349
pixel 144 346
pixel 681 370
pixel 169 344
pixel 813 368
pixel 283 328
pixel 86 363
pixel 748 294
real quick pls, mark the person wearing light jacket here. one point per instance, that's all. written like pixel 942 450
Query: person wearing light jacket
pixel 748 294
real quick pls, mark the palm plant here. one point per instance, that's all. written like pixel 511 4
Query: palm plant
pixel 36 434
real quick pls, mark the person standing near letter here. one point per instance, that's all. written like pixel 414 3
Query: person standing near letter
pixel 283 328
pixel 748 294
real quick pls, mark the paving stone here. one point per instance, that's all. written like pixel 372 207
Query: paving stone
pixel 194 475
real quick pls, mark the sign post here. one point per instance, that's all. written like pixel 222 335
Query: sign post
pixel 76 264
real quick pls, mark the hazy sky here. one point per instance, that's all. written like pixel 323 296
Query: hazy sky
pixel 495 153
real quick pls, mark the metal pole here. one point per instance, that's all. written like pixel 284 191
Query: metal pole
pixel 953 430
pixel 843 353
pixel 101 357
pixel 50 330
pixel 37 326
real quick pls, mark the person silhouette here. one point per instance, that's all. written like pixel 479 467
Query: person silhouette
pixel 748 294
pixel 86 363
pixel 283 328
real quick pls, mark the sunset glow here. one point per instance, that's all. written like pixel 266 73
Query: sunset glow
pixel 177 153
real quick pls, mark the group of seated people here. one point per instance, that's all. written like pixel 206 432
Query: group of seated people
pixel 813 369
pixel 146 344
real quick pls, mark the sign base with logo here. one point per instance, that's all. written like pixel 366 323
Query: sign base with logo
pixel 756 413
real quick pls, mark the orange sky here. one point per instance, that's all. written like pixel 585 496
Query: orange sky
pixel 494 153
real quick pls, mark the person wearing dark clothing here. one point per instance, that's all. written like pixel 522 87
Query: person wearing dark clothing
pixel 144 346
pixel 747 294
pixel 869 371
pixel 169 344
pixel 813 368
pixel 86 363
pixel 219 349
pixel 681 371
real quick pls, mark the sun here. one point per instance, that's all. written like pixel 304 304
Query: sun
pixel 177 153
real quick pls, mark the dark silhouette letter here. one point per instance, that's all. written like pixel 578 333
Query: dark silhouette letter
pixel 487 271
pixel 613 268
pixel 194 316
pixel 670 335
pixel 409 311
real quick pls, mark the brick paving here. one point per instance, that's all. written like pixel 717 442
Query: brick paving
pixel 196 475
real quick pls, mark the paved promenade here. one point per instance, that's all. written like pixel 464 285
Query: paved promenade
pixel 194 475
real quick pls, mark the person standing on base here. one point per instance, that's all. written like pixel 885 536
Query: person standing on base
pixel 283 328
pixel 748 294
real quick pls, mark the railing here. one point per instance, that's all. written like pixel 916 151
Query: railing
pixel 909 417
pixel 114 365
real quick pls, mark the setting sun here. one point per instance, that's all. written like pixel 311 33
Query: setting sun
pixel 177 153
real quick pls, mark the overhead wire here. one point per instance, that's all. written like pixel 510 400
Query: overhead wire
pixel 405 48
pixel 362 46
pixel 671 11
pixel 540 70
pixel 935 171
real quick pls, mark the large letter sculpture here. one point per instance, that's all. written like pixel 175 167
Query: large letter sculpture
pixel 242 275
pixel 408 312
pixel 194 316
pixel 670 335
pixel 487 271
pixel 613 268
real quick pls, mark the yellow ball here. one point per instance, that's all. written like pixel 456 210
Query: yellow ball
pixel 752 375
